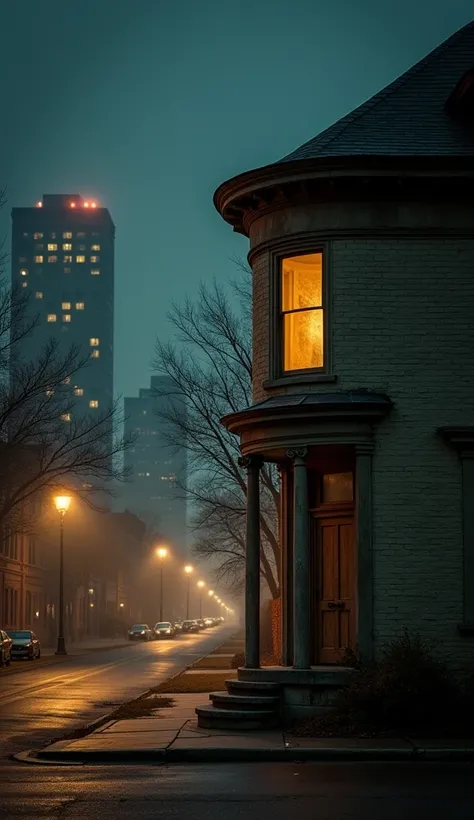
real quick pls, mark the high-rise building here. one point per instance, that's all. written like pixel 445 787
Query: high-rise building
pixel 63 254
pixel 157 467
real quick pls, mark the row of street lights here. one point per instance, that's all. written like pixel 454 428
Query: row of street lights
pixel 62 504
pixel 162 553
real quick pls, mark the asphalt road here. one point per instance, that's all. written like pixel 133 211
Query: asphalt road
pixel 40 704
pixel 311 791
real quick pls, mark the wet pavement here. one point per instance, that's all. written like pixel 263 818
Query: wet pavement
pixel 260 791
pixel 40 704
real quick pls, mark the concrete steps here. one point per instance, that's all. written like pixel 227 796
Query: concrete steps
pixel 246 705
pixel 224 700
pixel 209 717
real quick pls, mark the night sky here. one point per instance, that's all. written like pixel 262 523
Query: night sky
pixel 149 105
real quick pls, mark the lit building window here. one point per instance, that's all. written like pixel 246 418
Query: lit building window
pixel 51 317
pixel 52 258
pixel 80 259
pixel 37 236
pixel 94 342
pixel 66 417
pixel 95 272
pixel 67 246
pixel 38 260
pixel 95 354
pixel 302 312
pixel 50 393
pixel 93 403
pixel 67 259
pixel 78 391
pixel 67 270
pixel 52 246
pixel 67 235
pixel 66 305
pixel 39 294
pixel 94 259
pixel 95 247
pixel 79 305
pixel 67 380
pixel 23 272
pixel 66 317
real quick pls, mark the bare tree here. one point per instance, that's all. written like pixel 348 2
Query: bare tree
pixel 44 445
pixel 210 365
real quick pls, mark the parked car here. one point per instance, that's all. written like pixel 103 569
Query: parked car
pixel 209 622
pixel 164 629
pixel 190 626
pixel 5 648
pixel 25 644
pixel 140 632
pixel 178 626
pixel 201 623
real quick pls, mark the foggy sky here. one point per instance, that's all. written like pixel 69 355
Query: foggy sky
pixel 149 105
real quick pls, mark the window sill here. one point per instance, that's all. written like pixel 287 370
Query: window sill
pixel 300 378
pixel 466 630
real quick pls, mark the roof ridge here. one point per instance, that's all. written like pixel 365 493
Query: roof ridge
pixel 381 96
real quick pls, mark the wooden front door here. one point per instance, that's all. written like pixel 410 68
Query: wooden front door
pixel 335 587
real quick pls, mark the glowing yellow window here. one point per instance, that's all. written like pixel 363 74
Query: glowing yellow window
pixel 95 272
pixel 37 236
pixel 67 235
pixel 67 259
pixel 95 354
pixel 93 403
pixel 66 417
pixel 79 305
pixel 39 260
pixel 51 317
pixel 94 342
pixel 80 258
pixel 78 391
pixel 66 317
pixel 302 312
pixel 52 258
pixel 66 305
pixel 52 246
pixel 39 294
pixel 94 259
pixel 67 246
pixel 95 247
pixel 23 272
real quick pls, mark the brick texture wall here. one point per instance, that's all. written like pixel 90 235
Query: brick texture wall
pixel 402 323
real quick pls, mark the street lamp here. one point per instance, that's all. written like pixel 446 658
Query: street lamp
pixel 161 552
pixel 201 585
pixel 62 503
pixel 188 570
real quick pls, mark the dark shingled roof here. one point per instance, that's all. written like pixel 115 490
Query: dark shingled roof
pixel 407 118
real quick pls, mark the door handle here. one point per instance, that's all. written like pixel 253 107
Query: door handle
pixel 336 605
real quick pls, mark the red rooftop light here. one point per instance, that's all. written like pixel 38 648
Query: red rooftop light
pixel 72 204
pixel 86 204
pixel 93 204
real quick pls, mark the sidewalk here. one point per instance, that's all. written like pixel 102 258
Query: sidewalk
pixel 172 735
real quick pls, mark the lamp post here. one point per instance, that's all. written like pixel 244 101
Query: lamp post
pixel 161 552
pixel 188 570
pixel 62 503
pixel 201 585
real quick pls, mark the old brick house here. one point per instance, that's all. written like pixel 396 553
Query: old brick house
pixel 362 251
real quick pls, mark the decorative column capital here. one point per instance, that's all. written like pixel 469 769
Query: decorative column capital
pixel 364 448
pixel 297 453
pixel 247 462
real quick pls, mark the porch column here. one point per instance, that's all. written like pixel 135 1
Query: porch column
pixel 286 575
pixel 301 562
pixel 252 562
pixel 365 568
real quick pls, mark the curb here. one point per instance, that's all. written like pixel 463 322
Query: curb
pixel 238 755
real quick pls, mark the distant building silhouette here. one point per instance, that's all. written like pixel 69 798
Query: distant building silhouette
pixel 63 255
pixel 158 469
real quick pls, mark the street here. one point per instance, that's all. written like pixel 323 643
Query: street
pixel 41 704
pixel 359 791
